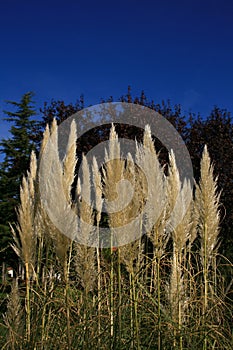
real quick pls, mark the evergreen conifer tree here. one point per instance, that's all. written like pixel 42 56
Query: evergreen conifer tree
pixel 16 152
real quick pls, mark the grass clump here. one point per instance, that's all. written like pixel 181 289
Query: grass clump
pixel 163 290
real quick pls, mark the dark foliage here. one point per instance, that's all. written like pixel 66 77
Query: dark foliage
pixel 16 150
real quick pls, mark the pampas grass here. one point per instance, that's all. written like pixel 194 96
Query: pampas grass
pixel 25 246
pixel 85 256
pixel 13 318
pixel 207 202
pixel 98 201
pixel 80 296
pixel 177 202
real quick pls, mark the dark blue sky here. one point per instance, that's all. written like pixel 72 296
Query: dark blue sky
pixel 173 49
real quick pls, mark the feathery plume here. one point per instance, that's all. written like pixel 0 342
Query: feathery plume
pixel 26 247
pixel 69 162
pixel 98 189
pixel 85 255
pixel 154 184
pixel 207 203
